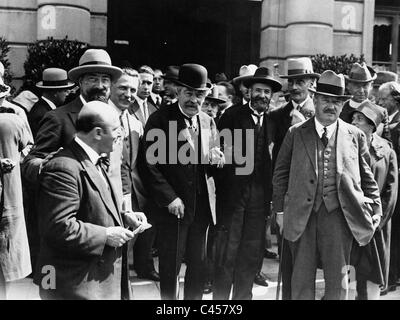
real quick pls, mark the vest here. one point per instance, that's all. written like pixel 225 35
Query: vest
pixel 259 154
pixel 327 186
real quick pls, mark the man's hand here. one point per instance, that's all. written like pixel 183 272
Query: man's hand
pixel 48 158
pixel 376 220
pixel 118 236
pixel 217 157
pixel 279 221
pixel 136 220
pixel 6 165
pixel 177 208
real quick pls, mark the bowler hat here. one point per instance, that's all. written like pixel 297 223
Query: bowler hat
pixel 171 73
pixel 94 61
pixel 193 76
pixel 244 73
pixel 361 73
pixel 372 111
pixel 55 78
pixel 331 84
pixel 300 68
pixel 383 77
pixel 263 75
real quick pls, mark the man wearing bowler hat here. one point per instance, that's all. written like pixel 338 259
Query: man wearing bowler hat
pixel 55 87
pixel 58 127
pixel 180 182
pixel 170 88
pixel 324 193
pixel 359 85
pixel 244 195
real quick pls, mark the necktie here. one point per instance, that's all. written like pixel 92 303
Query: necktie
pixel 102 166
pixel 158 102
pixel 258 124
pixel 145 111
pixel 324 137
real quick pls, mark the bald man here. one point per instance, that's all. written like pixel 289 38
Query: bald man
pixel 83 233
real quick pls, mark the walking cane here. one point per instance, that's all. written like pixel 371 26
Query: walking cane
pixel 177 263
pixel 278 287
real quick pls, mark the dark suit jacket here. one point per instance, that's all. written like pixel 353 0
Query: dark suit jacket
pixel 230 184
pixel 168 181
pixel 76 210
pixel 134 109
pixel 281 122
pixel 295 179
pixel 36 115
pixel 56 130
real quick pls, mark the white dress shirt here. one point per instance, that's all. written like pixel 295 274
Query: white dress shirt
pixel 255 118
pixel 143 109
pixel 320 128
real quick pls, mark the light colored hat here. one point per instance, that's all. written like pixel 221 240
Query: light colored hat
pixel 94 61
pixel 4 89
pixel 361 73
pixel 55 78
pixel 331 84
pixel 245 72
pixel 213 96
pixel 299 68
pixel 383 77
pixel 1 69
pixel 372 111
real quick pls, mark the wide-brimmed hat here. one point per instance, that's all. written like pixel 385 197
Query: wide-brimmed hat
pixel 171 73
pixel 94 61
pixel 300 68
pixel 4 89
pixel 213 95
pixel 383 77
pixel 193 76
pixel 372 111
pixel 244 73
pixel 55 78
pixel 263 75
pixel 331 84
pixel 361 73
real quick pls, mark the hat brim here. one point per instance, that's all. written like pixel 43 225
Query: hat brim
pixel 360 81
pixel 237 80
pixel 75 73
pixel 344 97
pixel 169 78
pixel 67 86
pixel 275 85
pixel 300 75
pixel 208 86
pixel 216 100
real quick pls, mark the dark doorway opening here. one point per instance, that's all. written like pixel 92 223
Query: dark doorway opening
pixel 220 34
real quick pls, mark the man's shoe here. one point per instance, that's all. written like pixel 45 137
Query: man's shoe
pixel 152 275
pixel 270 255
pixel 261 280
pixel 207 287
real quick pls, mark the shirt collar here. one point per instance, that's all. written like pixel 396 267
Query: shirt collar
pixel 139 100
pixel 155 96
pixel 393 115
pixel 92 154
pixel 320 128
pixel 83 100
pixel 186 116
pixel 112 104
pixel 300 105
pixel 254 111
pixel 50 103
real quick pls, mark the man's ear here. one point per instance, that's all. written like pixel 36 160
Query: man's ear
pixel 97 133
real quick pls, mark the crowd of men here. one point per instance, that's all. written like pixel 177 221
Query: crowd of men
pixel 111 164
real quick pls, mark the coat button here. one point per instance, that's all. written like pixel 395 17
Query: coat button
pixel 309 200
pixel 311 181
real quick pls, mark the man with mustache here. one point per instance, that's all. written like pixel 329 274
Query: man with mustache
pixel 325 195
pixel 243 198
pixel 58 127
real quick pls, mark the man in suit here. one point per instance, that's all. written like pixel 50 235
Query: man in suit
pixel 180 181
pixel 325 195
pixel 58 127
pixel 244 197
pixel 226 92
pixel 158 88
pixel 123 90
pixel 55 88
pixel 83 232
pixel 359 86
pixel 389 98
pixel 143 107
pixel 381 78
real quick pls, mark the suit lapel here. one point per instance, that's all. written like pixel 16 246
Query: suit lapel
pixel 344 145
pixel 308 136
pixel 94 176
pixel 205 132
pixel 76 107
pixel 135 110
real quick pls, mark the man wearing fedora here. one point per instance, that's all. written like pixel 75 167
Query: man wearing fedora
pixel 245 72
pixel 381 78
pixel 55 88
pixel 244 196
pixel 170 88
pixel 58 127
pixel 324 193
pixel 359 86
pixel 183 188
